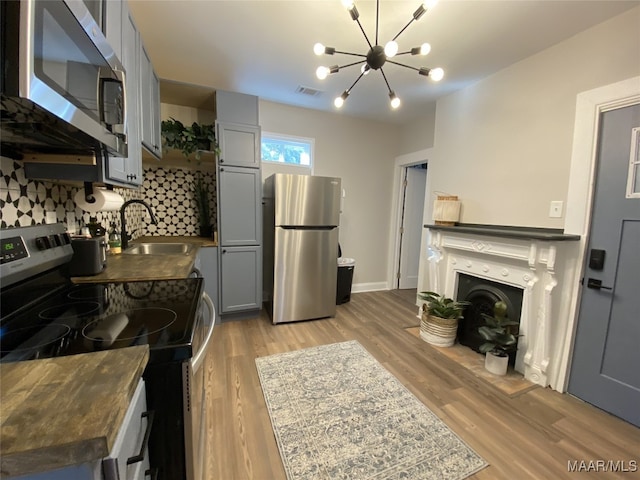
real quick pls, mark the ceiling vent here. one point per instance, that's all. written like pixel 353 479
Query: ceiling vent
pixel 312 92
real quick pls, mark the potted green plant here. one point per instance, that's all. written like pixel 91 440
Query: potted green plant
pixel 440 315
pixel 201 195
pixel 501 338
pixel 192 139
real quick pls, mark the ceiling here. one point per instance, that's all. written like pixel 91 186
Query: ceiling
pixel 265 48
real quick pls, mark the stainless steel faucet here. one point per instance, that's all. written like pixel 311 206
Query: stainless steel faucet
pixel 126 236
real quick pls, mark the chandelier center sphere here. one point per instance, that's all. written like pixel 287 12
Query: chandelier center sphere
pixel 376 57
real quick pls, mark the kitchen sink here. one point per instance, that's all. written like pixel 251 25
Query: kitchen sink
pixel 159 249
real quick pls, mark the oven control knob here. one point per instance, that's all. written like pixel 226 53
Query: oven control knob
pixel 43 243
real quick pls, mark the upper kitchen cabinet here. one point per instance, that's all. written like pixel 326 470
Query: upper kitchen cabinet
pixel 234 107
pixel 127 169
pixel 150 105
pixel 239 144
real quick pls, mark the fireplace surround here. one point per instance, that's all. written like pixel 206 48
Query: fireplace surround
pixel 533 260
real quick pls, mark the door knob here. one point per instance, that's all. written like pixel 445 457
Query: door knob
pixel 597 284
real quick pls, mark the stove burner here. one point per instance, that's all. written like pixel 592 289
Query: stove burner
pixel 128 325
pixel 70 310
pixel 36 337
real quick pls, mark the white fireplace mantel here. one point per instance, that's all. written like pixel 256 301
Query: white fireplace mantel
pixel 531 259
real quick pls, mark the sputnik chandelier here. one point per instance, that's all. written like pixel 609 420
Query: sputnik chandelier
pixel 377 55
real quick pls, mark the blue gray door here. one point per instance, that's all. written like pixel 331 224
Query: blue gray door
pixel 606 360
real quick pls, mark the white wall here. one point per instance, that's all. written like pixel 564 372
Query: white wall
pixel 418 134
pixel 362 153
pixel 503 145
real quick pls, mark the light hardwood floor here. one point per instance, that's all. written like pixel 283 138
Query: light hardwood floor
pixel 534 435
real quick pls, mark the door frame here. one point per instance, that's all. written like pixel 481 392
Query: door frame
pixel 582 177
pixel 393 257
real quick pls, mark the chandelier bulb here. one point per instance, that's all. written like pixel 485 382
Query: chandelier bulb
pixel 395 101
pixel 339 101
pixel 425 48
pixel 436 74
pixel 390 49
pixel 429 4
pixel 318 49
pixel 365 69
pixel 322 72
pixel 348 4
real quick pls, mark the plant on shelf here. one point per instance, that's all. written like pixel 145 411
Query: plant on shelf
pixel 193 139
pixel 201 195
pixel 501 339
pixel 440 315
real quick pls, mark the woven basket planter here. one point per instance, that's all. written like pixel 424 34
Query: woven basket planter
pixel 437 331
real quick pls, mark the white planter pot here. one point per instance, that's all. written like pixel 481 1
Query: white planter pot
pixel 496 364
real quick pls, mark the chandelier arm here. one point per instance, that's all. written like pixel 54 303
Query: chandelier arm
pixel 377 18
pixel 403 29
pixel 385 80
pixel 352 54
pixel 403 65
pixel 402 53
pixel 354 83
pixel 364 33
pixel 351 64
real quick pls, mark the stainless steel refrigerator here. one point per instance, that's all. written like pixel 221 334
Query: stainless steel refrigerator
pixel 301 215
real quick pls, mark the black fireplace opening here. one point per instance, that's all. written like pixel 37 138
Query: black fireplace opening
pixel 482 294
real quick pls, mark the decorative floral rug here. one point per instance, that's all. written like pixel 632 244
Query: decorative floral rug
pixel 338 414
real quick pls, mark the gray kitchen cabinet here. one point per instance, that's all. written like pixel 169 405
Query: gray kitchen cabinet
pixel 207 264
pixel 239 144
pixel 129 442
pixel 239 206
pixel 241 279
pixel 129 169
pixel 150 105
pixel 234 107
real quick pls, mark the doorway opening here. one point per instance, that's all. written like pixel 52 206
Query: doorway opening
pixel 411 213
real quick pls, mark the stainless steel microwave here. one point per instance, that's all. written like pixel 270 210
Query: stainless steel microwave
pixel 62 86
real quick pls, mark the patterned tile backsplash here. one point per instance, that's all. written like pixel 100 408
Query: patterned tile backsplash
pixel 169 191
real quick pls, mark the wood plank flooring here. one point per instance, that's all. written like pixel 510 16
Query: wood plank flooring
pixel 531 436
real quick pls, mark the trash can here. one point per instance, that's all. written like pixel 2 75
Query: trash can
pixel 345 278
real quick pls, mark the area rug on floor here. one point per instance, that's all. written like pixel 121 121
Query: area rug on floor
pixel 338 414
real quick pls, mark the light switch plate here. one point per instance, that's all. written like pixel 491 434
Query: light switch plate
pixel 555 209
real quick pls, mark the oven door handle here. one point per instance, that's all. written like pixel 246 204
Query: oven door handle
pixel 198 358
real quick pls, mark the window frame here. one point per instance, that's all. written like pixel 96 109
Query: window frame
pixel 290 138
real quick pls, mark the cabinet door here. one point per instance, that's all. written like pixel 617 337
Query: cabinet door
pixel 129 169
pixel 239 144
pixel 239 206
pixel 207 263
pixel 150 104
pixel 240 279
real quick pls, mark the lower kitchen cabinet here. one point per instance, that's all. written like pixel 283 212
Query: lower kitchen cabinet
pixel 207 263
pixel 129 457
pixel 240 279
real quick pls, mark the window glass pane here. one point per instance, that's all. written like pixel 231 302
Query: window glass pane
pixel 290 151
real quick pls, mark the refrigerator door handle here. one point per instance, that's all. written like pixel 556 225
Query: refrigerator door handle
pixel 307 227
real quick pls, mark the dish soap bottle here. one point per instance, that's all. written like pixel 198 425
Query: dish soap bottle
pixel 115 242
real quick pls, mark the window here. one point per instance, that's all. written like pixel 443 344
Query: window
pixel 287 150
pixel 633 181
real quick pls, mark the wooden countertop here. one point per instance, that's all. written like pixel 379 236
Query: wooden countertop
pixel 67 410
pixel 128 268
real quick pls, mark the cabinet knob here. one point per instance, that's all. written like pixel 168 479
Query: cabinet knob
pixel 221 160
pixel 222 169
pixel 224 250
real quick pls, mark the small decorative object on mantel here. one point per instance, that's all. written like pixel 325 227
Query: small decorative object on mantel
pixel 194 139
pixel 446 210
pixel 500 339
pixel 440 315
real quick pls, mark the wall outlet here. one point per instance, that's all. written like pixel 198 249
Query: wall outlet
pixel 555 209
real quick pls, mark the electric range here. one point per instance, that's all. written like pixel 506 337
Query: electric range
pixel 44 315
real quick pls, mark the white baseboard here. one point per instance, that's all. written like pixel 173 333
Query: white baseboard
pixel 369 287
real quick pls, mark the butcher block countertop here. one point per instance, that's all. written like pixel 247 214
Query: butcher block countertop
pixel 129 268
pixel 67 410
